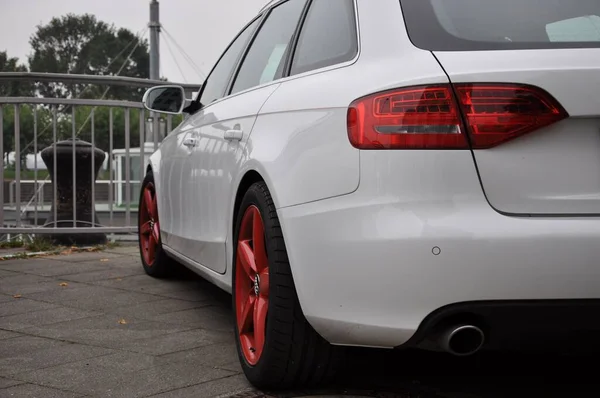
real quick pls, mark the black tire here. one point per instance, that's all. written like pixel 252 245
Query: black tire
pixel 294 354
pixel 162 266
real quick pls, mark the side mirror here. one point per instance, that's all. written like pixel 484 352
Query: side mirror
pixel 165 99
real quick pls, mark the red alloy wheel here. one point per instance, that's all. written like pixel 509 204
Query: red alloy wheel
pixel 149 227
pixel 252 285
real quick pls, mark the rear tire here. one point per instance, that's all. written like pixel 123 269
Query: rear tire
pixel 155 261
pixel 277 347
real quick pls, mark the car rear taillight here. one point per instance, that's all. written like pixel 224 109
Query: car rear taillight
pixel 410 118
pixel 428 117
pixel 496 113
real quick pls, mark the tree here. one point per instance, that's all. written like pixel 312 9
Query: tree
pixel 102 127
pixel 81 44
pixel 13 89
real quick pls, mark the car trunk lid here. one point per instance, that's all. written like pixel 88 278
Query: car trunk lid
pixel 548 53
pixel 555 169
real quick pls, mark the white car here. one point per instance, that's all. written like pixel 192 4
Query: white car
pixel 388 173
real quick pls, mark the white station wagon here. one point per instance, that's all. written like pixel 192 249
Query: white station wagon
pixel 388 173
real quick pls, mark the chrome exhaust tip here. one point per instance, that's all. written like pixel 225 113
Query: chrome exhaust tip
pixel 462 340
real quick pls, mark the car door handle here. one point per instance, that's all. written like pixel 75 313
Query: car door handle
pixel 190 142
pixel 234 135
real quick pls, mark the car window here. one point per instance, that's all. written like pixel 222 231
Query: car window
pixel 328 36
pixel 216 84
pixel 266 56
pixel 480 25
pixel 586 28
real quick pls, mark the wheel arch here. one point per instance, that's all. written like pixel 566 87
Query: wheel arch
pixel 250 178
pixel 251 175
pixel 153 166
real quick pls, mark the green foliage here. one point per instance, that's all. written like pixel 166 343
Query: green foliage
pixel 64 128
pixel 10 174
pixel 26 128
pixel 76 44
pixel 102 126
pixel 83 45
pixel 40 244
pixel 12 244
pixel 15 88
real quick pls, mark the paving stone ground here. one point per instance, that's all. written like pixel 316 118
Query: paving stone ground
pixel 94 325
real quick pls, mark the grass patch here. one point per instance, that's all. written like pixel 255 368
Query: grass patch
pixel 113 245
pixel 13 244
pixel 11 174
pixel 36 246
pixel 40 244
pixel 32 244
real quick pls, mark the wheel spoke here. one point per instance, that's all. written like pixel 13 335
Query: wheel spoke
pixel 258 238
pixel 145 229
pixel 156 233
pixel 149 202
pixel 246 341
pixel 260 320
pixel 247 259
pixel 151 250
pixel 155 208
pixel 264 283
pixel 245 320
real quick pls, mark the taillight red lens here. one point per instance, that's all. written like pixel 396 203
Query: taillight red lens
pixel 427 117
pixel 496 113
pixel 411 118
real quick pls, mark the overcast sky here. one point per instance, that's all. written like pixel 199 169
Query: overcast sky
pixel 202 27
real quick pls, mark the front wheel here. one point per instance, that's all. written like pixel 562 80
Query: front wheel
pixel 155 261
pixel 277 347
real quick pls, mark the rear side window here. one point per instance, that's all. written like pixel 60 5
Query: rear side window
pixel 328 36
pixel 471 25
pixel 216 83
pixel 266 57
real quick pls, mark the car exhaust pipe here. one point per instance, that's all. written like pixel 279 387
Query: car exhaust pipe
pixel 462 340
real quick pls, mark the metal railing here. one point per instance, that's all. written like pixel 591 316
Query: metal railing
pixel 29 195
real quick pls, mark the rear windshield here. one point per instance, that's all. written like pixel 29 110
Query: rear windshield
pixel 469 25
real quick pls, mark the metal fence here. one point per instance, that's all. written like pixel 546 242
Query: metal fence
pixel 123 130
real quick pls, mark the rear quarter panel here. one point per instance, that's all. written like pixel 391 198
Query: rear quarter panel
pixel 300 144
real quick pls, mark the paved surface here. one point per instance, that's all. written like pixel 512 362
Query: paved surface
pixel 93 325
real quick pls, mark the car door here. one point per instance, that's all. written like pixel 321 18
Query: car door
pixel 172 157
pixel 222 133
pixel 181 176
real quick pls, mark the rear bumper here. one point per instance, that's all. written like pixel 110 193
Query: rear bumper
pixel 563 325
pixel 370 267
